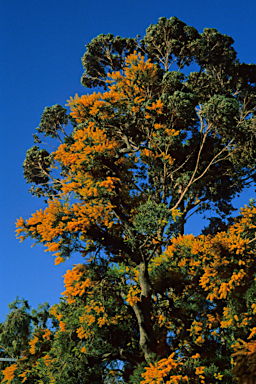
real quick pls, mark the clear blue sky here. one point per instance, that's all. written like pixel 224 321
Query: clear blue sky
pixel 42 42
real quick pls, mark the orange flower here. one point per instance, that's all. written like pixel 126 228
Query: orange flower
pixel 9 373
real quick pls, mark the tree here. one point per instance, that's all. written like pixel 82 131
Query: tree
pixel 157 146
pixel 17 331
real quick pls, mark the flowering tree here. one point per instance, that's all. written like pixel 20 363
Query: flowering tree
pixel 135 161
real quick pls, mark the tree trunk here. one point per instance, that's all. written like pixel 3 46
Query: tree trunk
pixel 143 311
pixel 181 220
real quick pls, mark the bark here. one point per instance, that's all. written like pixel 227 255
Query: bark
pixel 143 311
pixel 181 222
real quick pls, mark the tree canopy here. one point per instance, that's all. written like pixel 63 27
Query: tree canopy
pixel 171 132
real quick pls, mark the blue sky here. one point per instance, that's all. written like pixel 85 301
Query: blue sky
pixel 42 42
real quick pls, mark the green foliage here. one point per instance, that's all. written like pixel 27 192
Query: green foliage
pixel 105 53
pixel 53 120
pixel 17 330
pixel 36 165
pixel 135 377
pixel 170 40
pixel 150 215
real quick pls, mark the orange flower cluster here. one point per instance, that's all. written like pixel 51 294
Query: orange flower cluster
pixel 92 143
pixel 82 107
pixel 94 312
pixel 122 89
pixel 210 258
pixel 24 376
pixel 54 312
pixel 133 295
pixel 75 155
pixel 199 371
pixel 156 373
pixel 73 284
pixel 9 373
pixel 47 334
pixel 47 360
pixel 129 89
pixel 151 155
pixel 40 333
pixel 32 344
pixel 48 226
pixel 43 224
pixel 221 263
pixel 242 347
pixel 196 329
pixel 133 84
